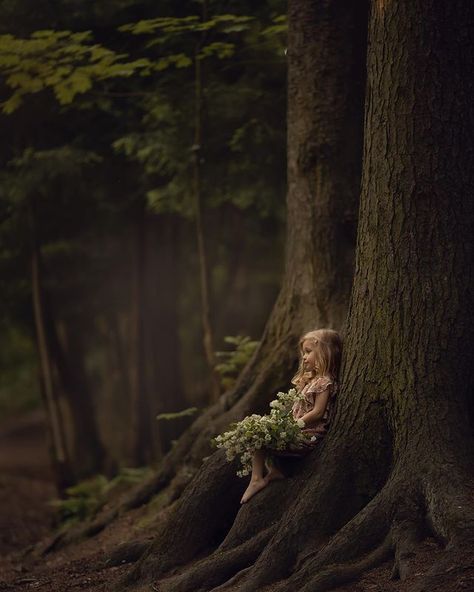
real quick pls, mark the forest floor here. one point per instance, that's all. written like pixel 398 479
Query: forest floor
pixel 26 517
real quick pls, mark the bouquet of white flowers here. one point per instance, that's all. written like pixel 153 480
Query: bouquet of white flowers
pixel 276 431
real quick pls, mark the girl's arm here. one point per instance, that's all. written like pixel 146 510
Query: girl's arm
pixel 319 408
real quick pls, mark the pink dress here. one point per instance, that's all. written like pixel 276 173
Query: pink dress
pixel 316 431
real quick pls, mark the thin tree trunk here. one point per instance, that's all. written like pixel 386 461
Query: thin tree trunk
pixel 116 385
pixel 141 449
pixel 162 339
pixel 60 457
pixel 208 337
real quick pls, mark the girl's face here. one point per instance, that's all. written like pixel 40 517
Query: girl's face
pixel 308 349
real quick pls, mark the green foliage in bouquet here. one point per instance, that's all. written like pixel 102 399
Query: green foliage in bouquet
pixel 277 431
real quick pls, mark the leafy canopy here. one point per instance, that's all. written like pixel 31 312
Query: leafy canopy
pixel 70 62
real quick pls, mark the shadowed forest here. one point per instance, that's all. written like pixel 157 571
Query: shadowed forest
pixel 185 190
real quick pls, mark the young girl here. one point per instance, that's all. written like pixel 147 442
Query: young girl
pixel 316 379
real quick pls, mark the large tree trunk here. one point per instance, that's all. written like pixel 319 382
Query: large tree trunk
pixel 397 463
pixel 326 82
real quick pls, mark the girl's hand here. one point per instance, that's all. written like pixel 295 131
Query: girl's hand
pixel 319 408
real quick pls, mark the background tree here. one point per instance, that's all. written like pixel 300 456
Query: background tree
pixel 65 91
pixel 407 373
pixel 325 139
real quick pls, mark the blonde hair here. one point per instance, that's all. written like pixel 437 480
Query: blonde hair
pixel 327 355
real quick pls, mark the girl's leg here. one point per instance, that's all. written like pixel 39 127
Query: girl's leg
pixel 274 471
pixel 257 481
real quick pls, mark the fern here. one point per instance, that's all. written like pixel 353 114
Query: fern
pixel 87 497
pixel 234 361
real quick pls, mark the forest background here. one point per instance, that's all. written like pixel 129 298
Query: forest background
pixel 143 183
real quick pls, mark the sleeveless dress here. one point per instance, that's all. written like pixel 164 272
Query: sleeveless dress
pixel 317 430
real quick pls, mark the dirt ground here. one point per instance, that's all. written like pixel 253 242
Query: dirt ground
pixel 26 517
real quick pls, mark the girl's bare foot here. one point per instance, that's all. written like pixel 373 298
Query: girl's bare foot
pixel 254 487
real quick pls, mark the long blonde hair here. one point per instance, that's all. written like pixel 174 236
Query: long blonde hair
pixel 328 353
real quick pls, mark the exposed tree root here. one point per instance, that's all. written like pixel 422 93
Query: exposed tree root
pixel 369 538
pixel 128 552
pixel 455 571
pixel 450 513
pixel 408 530
pixel 368 529
pixel 314 541
pixel 449 498
pixel 217 568
pixel 338 575
pixel 199 521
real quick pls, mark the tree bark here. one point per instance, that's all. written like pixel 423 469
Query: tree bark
pixel 397 463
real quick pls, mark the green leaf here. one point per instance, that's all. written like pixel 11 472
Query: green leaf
pixel 25 82
pixel 64 92
pixel 219 49
pixel 80 82
pixel 177 414
pixel 182 61
pixel 43 33
pixel 12 103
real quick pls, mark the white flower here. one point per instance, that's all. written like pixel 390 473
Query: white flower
pixel 313 438
pixel 300 422
pixel 277 428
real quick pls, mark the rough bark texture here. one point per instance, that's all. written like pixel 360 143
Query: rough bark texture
pixel 397 463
